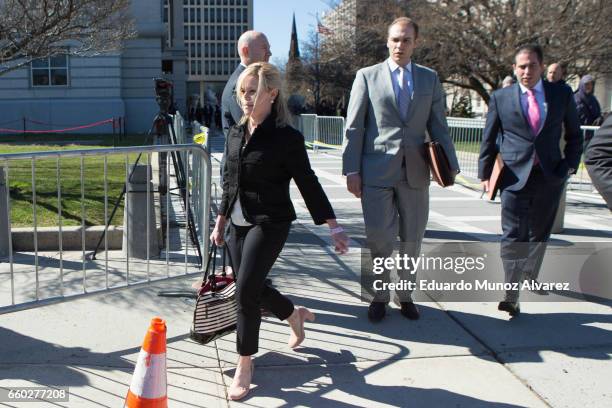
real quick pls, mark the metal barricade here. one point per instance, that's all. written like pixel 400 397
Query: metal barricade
pixel 50 261
pixel 330 131
pixel 466 134
pixel 308 127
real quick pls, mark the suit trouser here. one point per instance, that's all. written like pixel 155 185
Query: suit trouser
pixel 254 250
pixel 388 211
pixel 527 218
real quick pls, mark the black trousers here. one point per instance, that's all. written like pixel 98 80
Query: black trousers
pixel 254 250
pixel 527 218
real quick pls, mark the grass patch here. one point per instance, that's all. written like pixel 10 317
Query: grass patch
pixel 20 183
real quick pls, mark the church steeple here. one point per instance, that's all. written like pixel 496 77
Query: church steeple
pixel 294 49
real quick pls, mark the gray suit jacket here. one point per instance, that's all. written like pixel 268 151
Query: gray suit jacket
pixel 376 140
pixel 230 110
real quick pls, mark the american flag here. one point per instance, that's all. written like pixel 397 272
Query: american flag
pixel 323 30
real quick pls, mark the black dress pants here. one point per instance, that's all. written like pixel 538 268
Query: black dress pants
pixel 527 218
pixel 254 250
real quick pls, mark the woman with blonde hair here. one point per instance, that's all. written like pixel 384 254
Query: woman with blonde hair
pixel 263 154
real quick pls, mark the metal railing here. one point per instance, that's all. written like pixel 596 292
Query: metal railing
pixel 466 133
pixel 48 190
pixel 322 131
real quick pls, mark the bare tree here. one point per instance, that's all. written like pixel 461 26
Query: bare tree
pixel 32 29
pixel 471 43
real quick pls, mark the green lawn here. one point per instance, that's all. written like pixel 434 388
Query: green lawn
pixel 20 181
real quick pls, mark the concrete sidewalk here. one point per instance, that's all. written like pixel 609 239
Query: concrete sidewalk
pixel 458 354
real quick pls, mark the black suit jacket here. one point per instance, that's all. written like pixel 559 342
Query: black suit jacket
pixel 598 160
pixel 517 144
pixel 230 110
pixel 260 171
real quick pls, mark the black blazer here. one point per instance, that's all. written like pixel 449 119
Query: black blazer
pixel 517 144
pixel 598 160
pixel 261 170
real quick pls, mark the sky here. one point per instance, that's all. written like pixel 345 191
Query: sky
pixel 274 17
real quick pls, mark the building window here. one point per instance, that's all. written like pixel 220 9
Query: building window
pixel 51 71
pixel 167 67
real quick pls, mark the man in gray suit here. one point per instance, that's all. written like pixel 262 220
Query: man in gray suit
pixel 392 106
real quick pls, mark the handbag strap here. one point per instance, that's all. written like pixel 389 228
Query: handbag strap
pixel 212 255
pixel 209 273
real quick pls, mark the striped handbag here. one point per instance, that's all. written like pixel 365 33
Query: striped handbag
pixel 215 311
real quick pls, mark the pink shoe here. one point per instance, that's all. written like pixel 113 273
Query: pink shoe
pixel 297 326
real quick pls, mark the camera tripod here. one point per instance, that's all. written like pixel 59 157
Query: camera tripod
pixel 162 126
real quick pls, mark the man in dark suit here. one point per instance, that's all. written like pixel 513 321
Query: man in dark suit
pixel 253 46
pixel 598 160
pixel 530 116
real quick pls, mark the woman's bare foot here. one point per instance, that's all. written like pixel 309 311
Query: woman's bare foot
pixel 242 379
pixel 296 322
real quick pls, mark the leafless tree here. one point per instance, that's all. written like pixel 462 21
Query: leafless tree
pixel 32 29
pixel 470 43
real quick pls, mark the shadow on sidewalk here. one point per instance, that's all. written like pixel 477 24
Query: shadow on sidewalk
pixel 300 383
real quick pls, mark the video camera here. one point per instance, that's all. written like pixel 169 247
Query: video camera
pixel 163 94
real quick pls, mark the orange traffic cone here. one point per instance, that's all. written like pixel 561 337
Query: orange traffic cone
pixel 148 388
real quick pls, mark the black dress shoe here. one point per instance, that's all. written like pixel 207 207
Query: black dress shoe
pixel 512 308
pixel 409 310
pixel 377 311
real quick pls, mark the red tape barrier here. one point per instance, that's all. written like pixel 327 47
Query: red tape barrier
pixel 90 125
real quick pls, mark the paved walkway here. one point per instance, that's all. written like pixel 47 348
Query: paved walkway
pixel 556 354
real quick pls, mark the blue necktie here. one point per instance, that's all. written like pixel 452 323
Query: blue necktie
pixel 403 97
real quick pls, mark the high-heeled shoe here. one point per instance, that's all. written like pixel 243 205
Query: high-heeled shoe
pixel 297 329
pixel 238 390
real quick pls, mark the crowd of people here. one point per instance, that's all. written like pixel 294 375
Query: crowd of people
pixel 395 107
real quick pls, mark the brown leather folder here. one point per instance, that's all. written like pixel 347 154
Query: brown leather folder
pixel 495 179
pixel 439 164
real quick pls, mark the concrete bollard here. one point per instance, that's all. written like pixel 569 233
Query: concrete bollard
pixel 135 216
pixel 560 216
pixel 4 217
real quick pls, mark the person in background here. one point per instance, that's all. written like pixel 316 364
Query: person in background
pixel 555 73
pixel 508 81
pixel 588 107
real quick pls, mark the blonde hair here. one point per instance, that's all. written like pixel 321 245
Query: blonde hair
pixel 269 78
